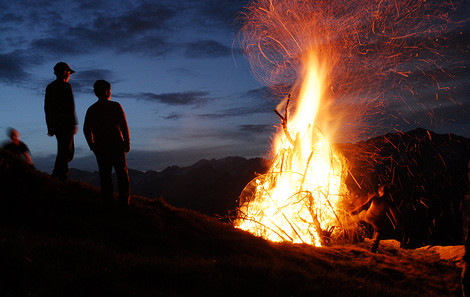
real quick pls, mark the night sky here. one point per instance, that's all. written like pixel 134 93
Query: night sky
pixel 179 73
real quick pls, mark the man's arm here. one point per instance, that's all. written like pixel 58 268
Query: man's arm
pixel 28 158
pixel 72 105
pixel 87 130
pixel 124 130
pixel 48 112
pixel 26 153
pixel 364 205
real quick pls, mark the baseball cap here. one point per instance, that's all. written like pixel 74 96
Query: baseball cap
pixel 62 66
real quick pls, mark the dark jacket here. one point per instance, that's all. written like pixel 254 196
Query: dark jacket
pixel 59 107
pixel 105 127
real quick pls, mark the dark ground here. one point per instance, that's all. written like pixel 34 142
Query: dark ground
pixel 60 239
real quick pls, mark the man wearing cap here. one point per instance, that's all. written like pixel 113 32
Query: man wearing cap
pixel 61 119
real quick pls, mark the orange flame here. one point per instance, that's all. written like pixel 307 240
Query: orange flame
pixel 297 200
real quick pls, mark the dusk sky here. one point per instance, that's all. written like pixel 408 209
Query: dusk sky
pixel 176 69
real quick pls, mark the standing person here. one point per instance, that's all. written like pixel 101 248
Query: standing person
pixel 17 147
pixel 61 119
pixel 107 135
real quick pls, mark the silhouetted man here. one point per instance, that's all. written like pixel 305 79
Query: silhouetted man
pixel 61 119
pixel 107 135
pixel 17 147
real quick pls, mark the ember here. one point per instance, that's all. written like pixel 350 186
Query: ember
pixel 333 57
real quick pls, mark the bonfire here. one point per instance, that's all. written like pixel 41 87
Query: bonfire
pixel 298 199
pixel 330 62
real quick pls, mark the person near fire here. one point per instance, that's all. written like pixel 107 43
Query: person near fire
pixel 376 211
pixel 61 120
pixel 17 147
pixel 465 277
pixel 107 134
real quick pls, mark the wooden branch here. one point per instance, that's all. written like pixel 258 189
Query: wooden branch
pixel 284 122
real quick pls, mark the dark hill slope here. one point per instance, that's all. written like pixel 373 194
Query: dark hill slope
pixel 210 187
pixel 59 239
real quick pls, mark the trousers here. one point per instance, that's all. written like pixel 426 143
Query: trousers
pixel 106 162
pixel 65 152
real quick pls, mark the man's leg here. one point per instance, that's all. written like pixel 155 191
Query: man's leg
pixel 122 175
pixel 375 241
pixel 105 167
pixel 65 152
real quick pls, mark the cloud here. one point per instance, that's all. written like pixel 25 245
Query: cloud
pixel 206 49
pixel 9 19
pixel 257 129
pixel 84 79
pixel 174 116
pixel 12 68
pixel 226 113
pixel 141 29
pixel 147 45
pixel 236 112
pixel 255 101
pixel 265 94
pixel 178 98
pixel 182 71
pixel 83 27
pixel 80 28
pixel 56 45
pixel 91 75
pixel 219 13
pixel 143 18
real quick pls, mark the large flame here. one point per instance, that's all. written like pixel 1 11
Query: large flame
pixel 297 199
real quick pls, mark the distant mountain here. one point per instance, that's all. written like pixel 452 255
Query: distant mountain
pixel 209 186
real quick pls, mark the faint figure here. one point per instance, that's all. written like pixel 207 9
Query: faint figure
pixel 107 135
pixel 17 147
pixel 376 211
pixel 61 119
pixel 465 279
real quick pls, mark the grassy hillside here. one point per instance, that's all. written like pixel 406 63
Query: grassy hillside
pixel 60 239
pixel 209 186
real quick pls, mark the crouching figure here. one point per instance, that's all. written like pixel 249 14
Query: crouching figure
pixel 377 210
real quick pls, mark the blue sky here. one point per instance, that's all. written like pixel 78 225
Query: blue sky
pixel 176 69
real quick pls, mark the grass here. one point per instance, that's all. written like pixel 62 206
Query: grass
pixel 60 239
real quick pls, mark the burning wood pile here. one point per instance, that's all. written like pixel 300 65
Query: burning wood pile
pixel 299 199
